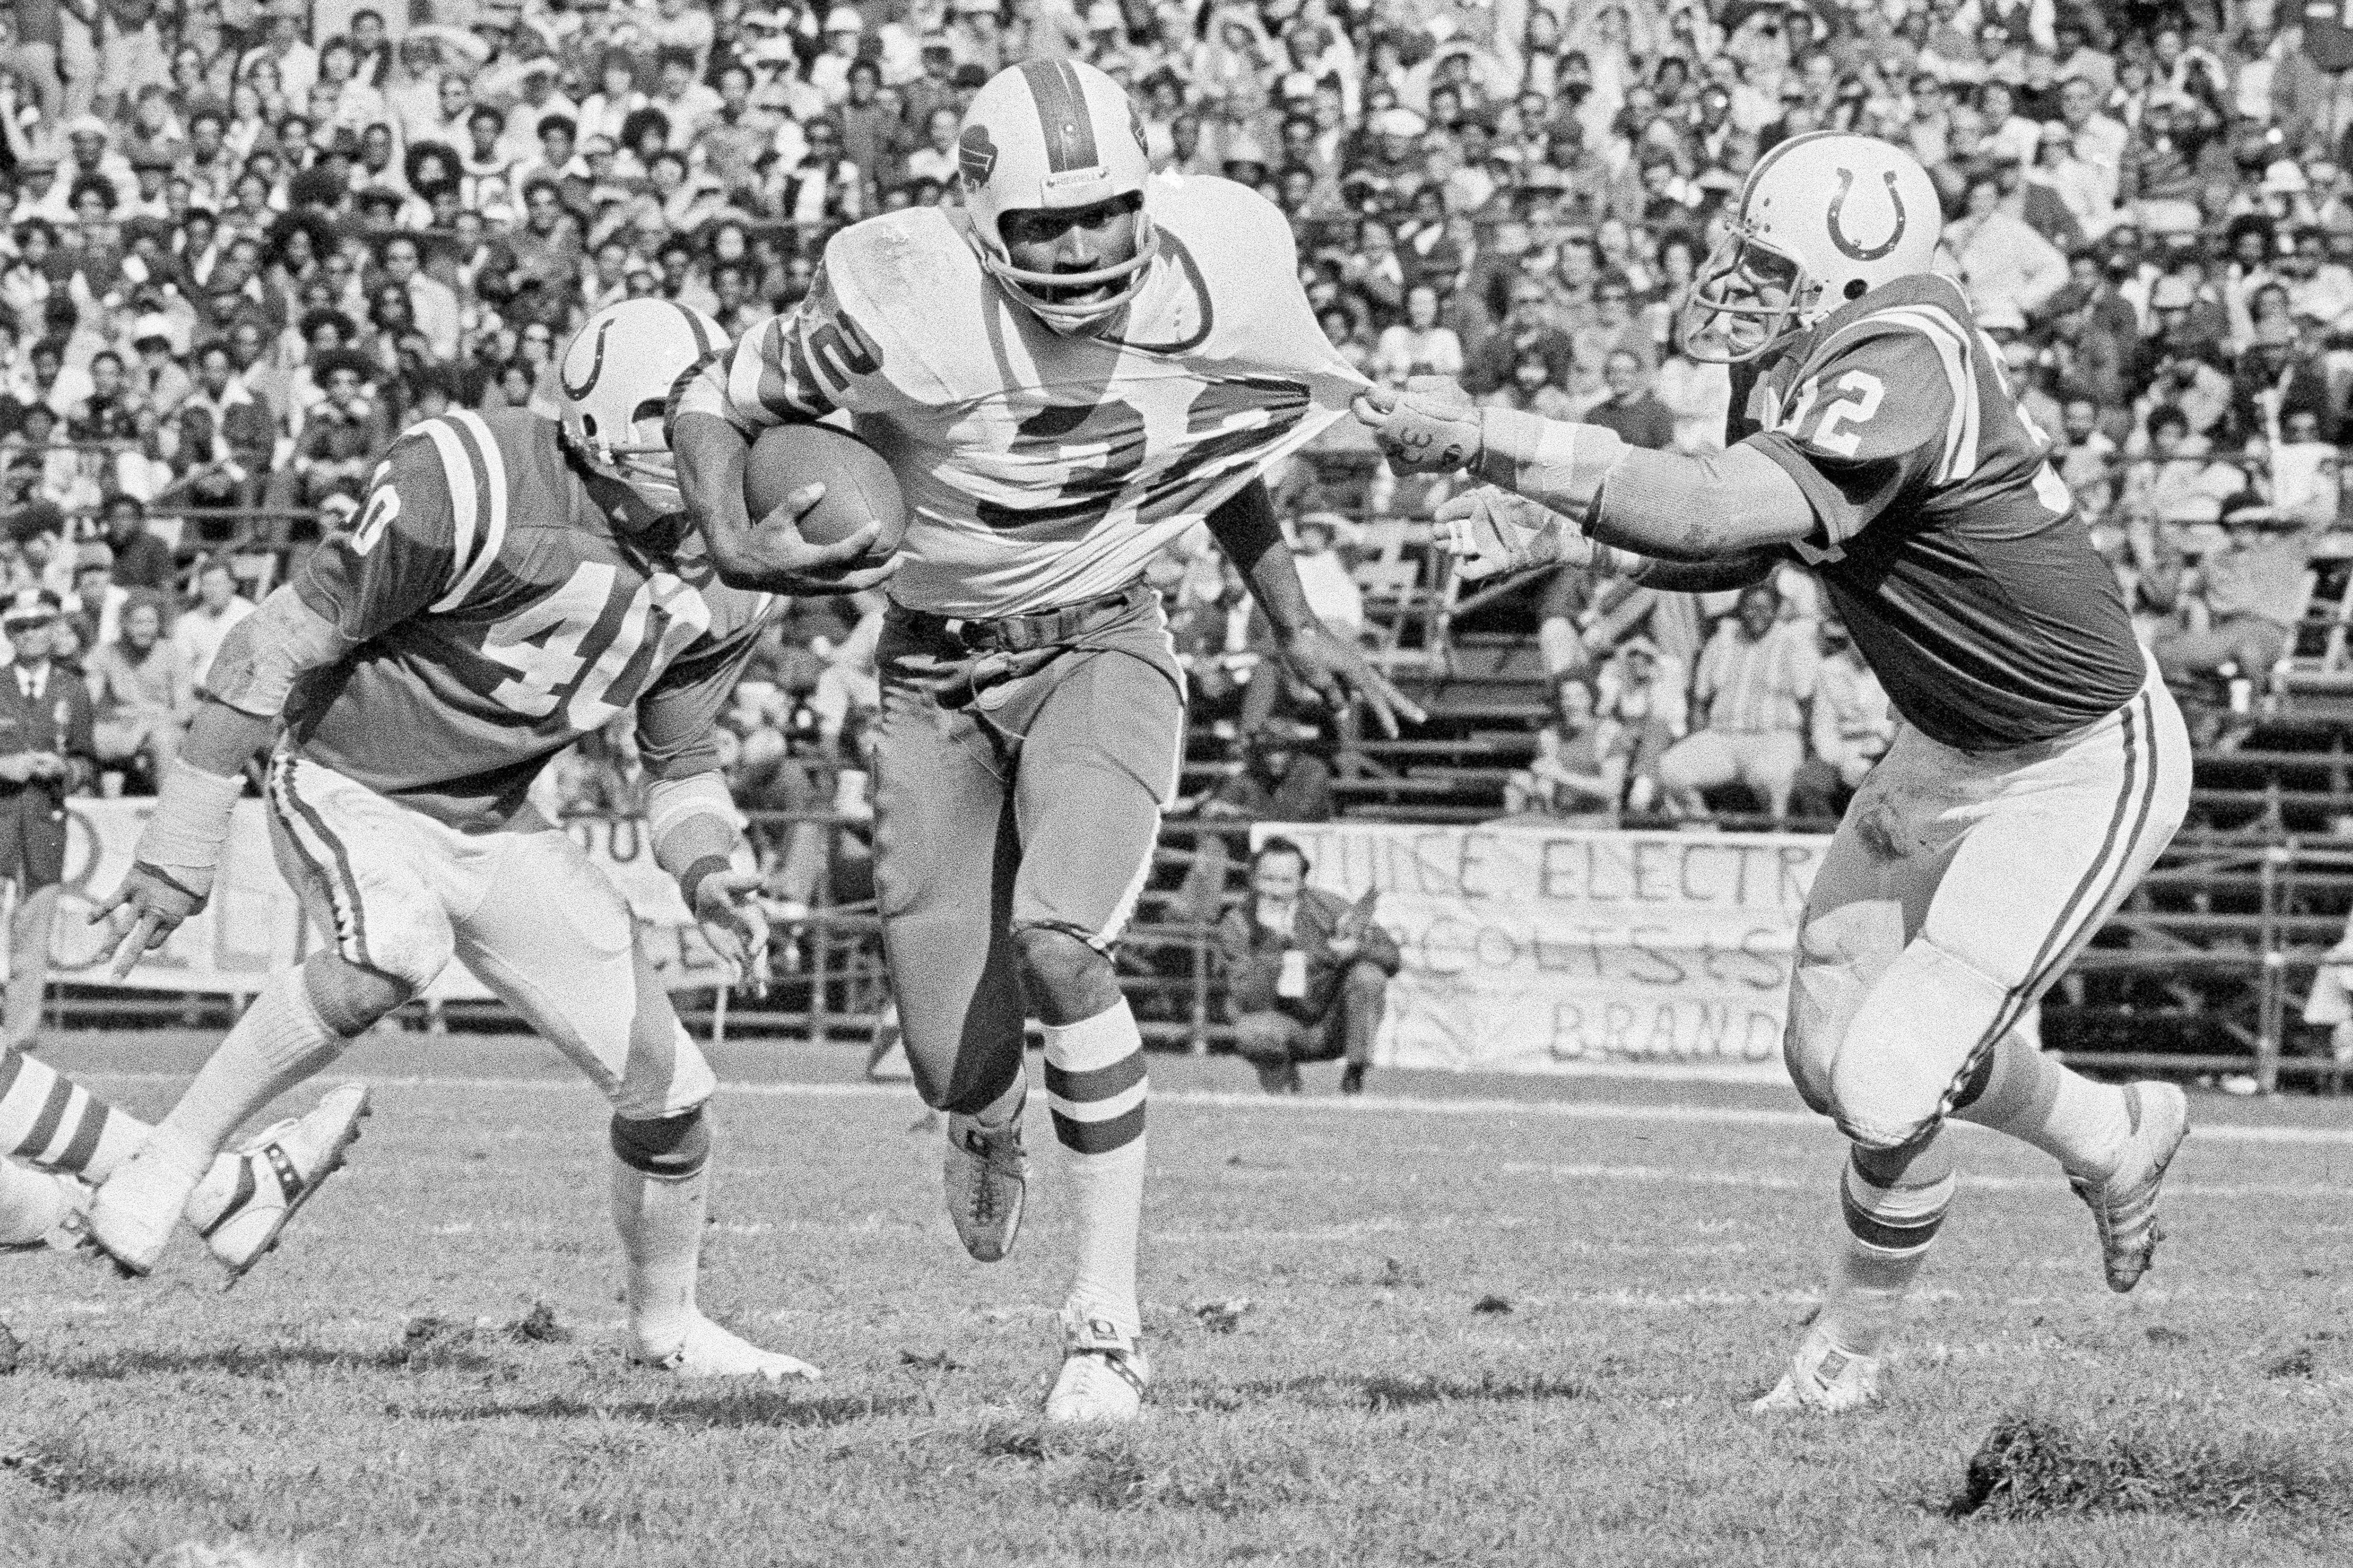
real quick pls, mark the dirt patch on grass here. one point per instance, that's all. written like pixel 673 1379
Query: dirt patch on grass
pixel 2031 1467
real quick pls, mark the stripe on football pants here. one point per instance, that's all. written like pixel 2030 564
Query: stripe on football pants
pixel 2118 843
pixel 489 468
pixel 325 854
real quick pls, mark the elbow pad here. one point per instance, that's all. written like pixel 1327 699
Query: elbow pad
pixel 264 654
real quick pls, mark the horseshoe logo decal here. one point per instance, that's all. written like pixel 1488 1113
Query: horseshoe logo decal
pixel 1848 248
pixel 596 365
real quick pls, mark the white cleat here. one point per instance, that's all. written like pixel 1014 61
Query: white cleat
pixel 1104 1376
pixel 1826 1377
pixel 986 1176
pixel 2123 1207
pixel 709 1351
pixel 245 1202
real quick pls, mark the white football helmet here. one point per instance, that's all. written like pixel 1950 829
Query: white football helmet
pixel 1054 135
pixel 1824 218
pixel 616 376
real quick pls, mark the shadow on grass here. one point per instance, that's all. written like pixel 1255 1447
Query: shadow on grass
pixel 265 1361
pixel 67 1465
pixel 1389 1390
pixel 730 1410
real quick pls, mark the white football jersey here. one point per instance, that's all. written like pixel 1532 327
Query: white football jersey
pixel 1041 469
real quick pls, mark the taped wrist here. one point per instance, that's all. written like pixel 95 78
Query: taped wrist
pixel 1552 461
pixel 191 819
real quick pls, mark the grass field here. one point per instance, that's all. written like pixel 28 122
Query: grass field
pixel 1483 1322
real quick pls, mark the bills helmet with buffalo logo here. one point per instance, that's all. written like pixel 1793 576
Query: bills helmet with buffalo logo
pixel 1055 135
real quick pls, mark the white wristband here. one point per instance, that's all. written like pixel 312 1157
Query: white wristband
pixel 192 817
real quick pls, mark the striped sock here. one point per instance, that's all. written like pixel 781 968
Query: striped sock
pixel 1095 1086
pixel 2035 1099
pixel 1889 1229
pixel 57 1124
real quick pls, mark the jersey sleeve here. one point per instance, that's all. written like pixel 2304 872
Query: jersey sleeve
pixel 1884 408
pixel 825 354
pixel 433 520
pixel 676 716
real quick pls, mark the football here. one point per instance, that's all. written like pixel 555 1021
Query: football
pixel 858 485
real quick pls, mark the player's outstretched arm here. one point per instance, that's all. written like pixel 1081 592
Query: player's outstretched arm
pixel 1335 667
pixel 1492 532
pixel 1664 505
pixel 767 554
pixel 171 869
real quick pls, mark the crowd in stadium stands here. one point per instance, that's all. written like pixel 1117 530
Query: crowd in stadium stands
pixel 249 240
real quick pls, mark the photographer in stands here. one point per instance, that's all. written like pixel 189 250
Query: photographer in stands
pixel 1306 972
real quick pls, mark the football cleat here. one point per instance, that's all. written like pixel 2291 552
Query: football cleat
pixel 1823 1376
pixel 244 1203
pixel 709 1351
pixel 1104 1376
pixel 986 1176
pixel 2123 1207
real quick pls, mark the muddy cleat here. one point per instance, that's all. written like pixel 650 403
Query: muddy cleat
pixel 710 1351
pixel 2123 1207
pixel 986 1176
pixel 1104 1374
pixel 1826 1377
pixel 244 1203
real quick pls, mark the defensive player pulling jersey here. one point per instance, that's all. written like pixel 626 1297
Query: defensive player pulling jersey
pixel 1043 470
pixel 496 616
pixel 1952 549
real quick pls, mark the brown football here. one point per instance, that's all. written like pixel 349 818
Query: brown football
pixel 858 485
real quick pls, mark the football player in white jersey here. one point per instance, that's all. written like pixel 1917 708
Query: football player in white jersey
pixel 2042 767
pixel 1065 374
pixel 509 585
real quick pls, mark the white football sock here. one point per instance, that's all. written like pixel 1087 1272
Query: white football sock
pixel 1888 1233
pixel 59 1125
pixel 31 1204
pixel 279 1042
pixel 2033 1098
pixel 1095 1085
pixel 660 1222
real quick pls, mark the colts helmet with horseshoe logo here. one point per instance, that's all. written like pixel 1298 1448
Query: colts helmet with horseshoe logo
pixel 1824 218
pixel 615 379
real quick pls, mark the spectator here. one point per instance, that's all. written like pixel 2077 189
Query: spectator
pixel 1850 723
pixel 1323 576
pixel 1753 678
pixel 218 608
pixel 1578 775
pixel 140 687
pixel 2251 591
pixel 1279 779
pixel 1627 408
pixel 46 752
pixel 141 560
pixel 95 595
pixel 1306 974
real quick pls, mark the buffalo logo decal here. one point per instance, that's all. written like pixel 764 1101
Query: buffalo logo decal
pixel 1848 248
pixel 975 154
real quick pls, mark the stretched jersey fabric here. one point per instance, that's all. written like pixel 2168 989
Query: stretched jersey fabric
pixel 1950 544
pixel 494 615
pixel 1041 469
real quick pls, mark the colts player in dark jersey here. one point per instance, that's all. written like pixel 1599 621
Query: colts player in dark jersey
pixel 2042 766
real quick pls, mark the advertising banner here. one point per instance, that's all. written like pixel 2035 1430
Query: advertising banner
pixel 1534 948
pixel 254 923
